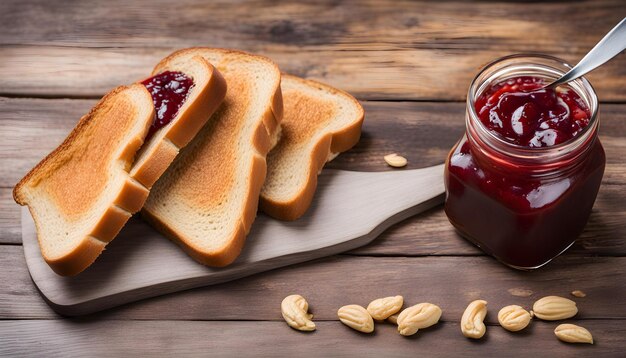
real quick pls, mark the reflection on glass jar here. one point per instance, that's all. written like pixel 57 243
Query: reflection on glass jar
pixel 522 181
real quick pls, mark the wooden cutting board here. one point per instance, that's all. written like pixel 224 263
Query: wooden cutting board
pixel 350 209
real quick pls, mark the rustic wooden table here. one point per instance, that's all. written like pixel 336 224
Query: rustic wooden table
pixel 410 63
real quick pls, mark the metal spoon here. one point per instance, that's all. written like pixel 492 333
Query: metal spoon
pixel 610 46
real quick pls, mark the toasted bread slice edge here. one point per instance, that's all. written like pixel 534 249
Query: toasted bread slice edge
pixel 204 99
pixel 216 258
pixel 324 150
pixel 132 195
pixel 263 139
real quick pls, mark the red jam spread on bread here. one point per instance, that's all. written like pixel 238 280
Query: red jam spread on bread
pixel 169 90
pixel 522 113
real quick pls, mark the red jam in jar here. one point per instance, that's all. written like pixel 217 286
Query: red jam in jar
pixel 169 90
pixel 522 181
pixel 524 113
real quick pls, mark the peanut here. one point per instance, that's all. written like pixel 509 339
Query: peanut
pixel 472 325
pixel 294 309
pixel 356 317
pixel 417 317
pixel 553 308
pixel 513 318
pixel 572 333
pixel 395 160
pixel 380 309
pixel 578 293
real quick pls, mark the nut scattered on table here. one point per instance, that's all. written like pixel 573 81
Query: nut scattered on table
pixel 417 317
pixel 513 318
pixel 578 293
pixel 295 312
pixel 395 160
pixel 356 317
pixel 572 333
pixel 472 325
pixel 393 318
pixel 380 309
pixel 553 308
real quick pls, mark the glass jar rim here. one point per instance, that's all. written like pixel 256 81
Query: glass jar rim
pixel 512 149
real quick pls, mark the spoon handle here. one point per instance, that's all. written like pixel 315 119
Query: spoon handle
pixel 610 46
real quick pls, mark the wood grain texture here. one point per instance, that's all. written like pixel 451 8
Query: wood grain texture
pixel 374 49
pixel 358 23
pixel 368 74
pixel 332 282
pixel 10 232
pixel 18 295
pixel 62 338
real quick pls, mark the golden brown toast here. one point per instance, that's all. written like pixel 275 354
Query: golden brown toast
pixel 82 193
pixel 207 200
pixel 203 100
pixel 319 122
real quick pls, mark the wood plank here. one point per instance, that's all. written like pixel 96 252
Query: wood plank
pixel 374 49
pixel 10 232
pixel 270 339
pixel 369 73
pixel 18 295
pixel 453 24
pixel 332 282
pixel 423 132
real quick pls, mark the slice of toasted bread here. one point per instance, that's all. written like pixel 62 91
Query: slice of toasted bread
pixel 204 98
pixel 82 193
pixel 207 200
pixel 320 122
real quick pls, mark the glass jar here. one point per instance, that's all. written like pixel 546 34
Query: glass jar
pixel 523 205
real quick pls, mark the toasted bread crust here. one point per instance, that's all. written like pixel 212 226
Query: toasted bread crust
pixel 131 195
pixel 191 117
pixel 217 258
pixel 79 259
pixel 194 115
pixel 162 156
pixel 262 141
pixel 134 192
pixel 335 142
pixel 18 194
